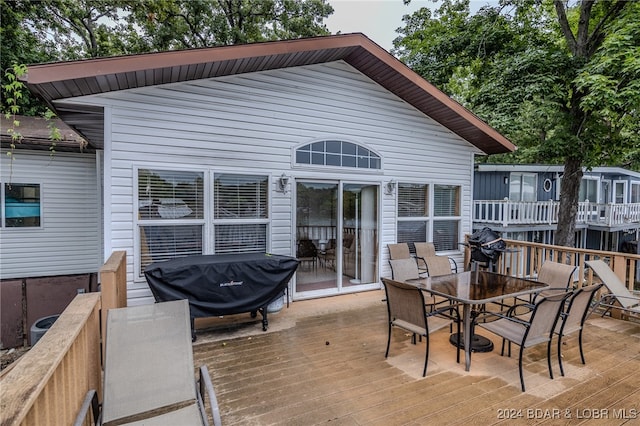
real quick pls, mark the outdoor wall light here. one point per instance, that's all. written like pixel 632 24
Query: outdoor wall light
pixel 283 181
pixel 390 187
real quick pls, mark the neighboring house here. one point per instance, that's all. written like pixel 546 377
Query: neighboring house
pixel 50 223
pixel 325 148
pixel 521 201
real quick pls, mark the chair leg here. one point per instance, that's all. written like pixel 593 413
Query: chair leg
pixel 426 355
pixel 520 368
pixel 560 355
pixel 458 345
pixel 386 354
pixel 580 344
pixel 549 356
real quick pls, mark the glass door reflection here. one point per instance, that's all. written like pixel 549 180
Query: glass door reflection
pixel 359 234
pixel 316 236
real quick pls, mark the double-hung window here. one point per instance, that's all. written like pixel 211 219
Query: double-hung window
pixel 170 214
pixel 183 213
pixel 21 205
pixel 241 214
pixel 429 213
pixel 446 221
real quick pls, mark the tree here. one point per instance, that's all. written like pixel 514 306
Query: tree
pixel 56 30
pixel 536 71
pixel 180 24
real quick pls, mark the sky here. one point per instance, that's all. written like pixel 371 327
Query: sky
pixel 378 19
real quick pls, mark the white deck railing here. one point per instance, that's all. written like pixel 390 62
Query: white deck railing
pixel 505 213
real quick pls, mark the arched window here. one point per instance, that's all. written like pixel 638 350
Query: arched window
pixel 338 154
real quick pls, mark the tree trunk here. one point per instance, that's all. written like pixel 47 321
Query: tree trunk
pixel 569 192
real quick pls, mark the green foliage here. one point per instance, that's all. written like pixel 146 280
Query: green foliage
pixel 560 79
pixel 180 24
pixel 56 30
pixel 611 86
pixel 514 67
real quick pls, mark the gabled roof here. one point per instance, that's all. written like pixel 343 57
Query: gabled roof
pixel 57 82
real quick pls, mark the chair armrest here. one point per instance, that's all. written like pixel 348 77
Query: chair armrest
pixel 90 402
pixel 207 386
pixel 510 318
pixel 511 310
pixel 454 265
pixel 443 311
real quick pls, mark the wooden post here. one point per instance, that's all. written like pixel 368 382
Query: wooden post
pixel 113 285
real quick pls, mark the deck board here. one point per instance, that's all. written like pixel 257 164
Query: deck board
pixel 322 361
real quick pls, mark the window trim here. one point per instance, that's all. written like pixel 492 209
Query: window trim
pixel 431 218
pixel 3 216
pixel 631 186
pixel 597 181
pixel 138 273
pixel 231 221
pixel 295 164
pixel 208 221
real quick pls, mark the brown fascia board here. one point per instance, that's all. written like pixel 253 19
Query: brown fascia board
pixel 60 71
pixel 356 49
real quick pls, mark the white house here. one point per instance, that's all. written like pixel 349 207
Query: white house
pixel 50 224
pixel 324 148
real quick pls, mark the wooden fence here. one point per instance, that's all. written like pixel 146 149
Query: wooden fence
pixel 48 384
pixel 524 259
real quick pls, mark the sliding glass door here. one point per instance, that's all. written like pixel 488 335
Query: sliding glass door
pixel 336 236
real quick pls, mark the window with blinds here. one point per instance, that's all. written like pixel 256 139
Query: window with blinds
pixel 241 213
pixel 417 224
pixel 170 214
pixel 413 200
pixel 446 200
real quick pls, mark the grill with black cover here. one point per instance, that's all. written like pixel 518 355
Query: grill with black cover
pixel 226 284
pixel 486 246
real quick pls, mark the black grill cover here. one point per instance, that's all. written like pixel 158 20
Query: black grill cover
pixel 486 245
pixel 221 284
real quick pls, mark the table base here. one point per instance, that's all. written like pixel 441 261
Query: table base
pixel 478 343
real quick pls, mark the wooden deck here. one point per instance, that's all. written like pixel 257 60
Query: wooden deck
pixel 322 362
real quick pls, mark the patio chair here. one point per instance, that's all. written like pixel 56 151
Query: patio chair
pixel 425 250
pixel 404 269
pixel 619 296
pixel 438 265
pixel 406 309
pixel 544 316
pixel 148 373
pixel 399 251
pixel 573 318
pixel 557 275
pixel 407 269
pixel 90 405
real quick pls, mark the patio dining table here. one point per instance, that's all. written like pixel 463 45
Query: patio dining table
pixel 473 289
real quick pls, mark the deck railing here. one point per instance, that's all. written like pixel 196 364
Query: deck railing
pixel 524 259
pixel 505 213
pixel 48 384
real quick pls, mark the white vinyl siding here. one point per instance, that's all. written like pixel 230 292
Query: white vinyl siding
pixel 68 238
pixel 252 124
